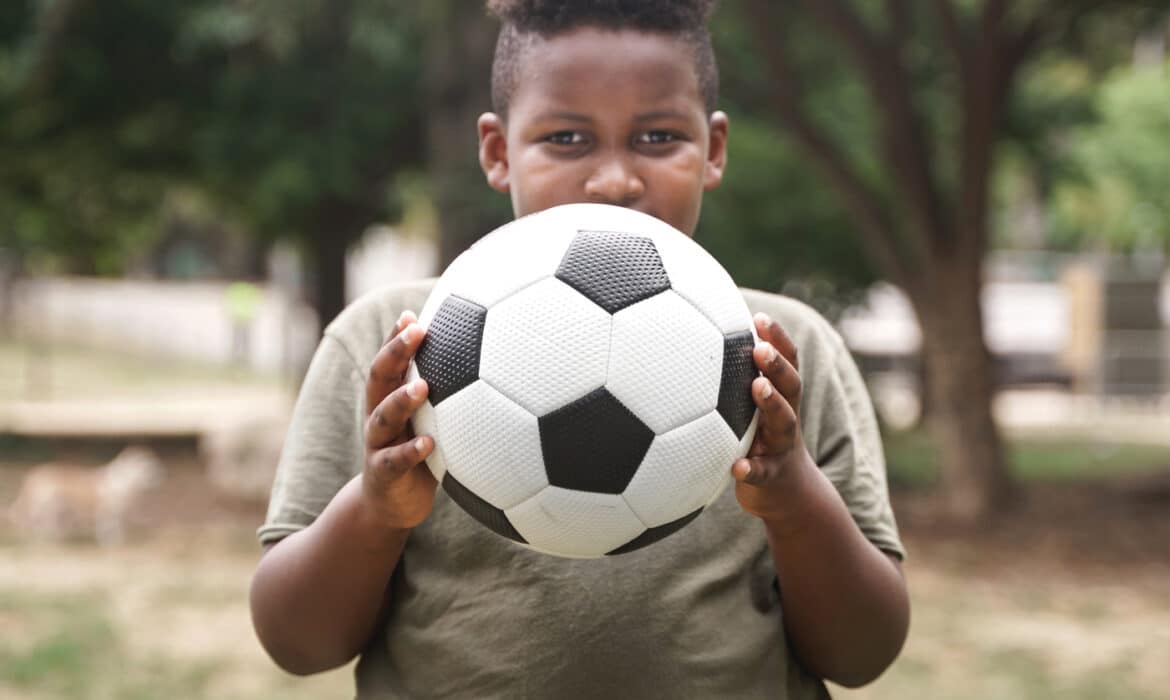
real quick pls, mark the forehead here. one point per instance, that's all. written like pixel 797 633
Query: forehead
pixel 622 65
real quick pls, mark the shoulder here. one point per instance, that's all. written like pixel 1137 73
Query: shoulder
pixel 362 326
pixel 805 325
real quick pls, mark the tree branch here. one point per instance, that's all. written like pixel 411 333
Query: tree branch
pixel 1048 21
pixel 52 24
pixel 845 22
pixel 899 14
pixel 956 38
pixel 903 133
pixel 987 87
pixel 878 238
pixel 993 14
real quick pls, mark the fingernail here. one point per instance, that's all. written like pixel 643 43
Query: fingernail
pixel 414 389
pixel 766 391
pixel 419 444
pixel 772 354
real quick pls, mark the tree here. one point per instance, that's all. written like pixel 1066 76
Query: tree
pixel 773 227
pixel 314 113
pixel 296 116
pixel 93 123
pixel 459 49
pixel 934 82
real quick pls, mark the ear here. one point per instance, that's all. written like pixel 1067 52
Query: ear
pixel 716 151
pixel 493 151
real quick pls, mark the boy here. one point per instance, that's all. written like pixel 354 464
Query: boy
pixel 790 577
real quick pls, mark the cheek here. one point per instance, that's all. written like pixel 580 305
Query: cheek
pixel 539 182
pixel 684 177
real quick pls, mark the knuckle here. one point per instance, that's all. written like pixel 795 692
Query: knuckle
pixel 391 460
pixel 399 349
pixel 403 404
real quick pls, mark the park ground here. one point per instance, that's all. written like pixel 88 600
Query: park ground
pixel 1062 597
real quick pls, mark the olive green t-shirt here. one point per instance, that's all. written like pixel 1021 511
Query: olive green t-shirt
pixel 696 615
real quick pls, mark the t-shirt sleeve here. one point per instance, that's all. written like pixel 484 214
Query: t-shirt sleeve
pixel 847 444
pixel 837 418
pixel 323 448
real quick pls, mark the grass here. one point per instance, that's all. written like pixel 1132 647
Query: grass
pixel 979 634
pixel 130 630
pixel 68 646
pixel 118 630
pixel 912 459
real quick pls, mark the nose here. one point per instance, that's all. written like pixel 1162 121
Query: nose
pixel 614 182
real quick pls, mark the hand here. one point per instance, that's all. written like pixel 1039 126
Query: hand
pixel 778 449
pixel 396 482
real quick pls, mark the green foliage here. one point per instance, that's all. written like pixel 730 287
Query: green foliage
pixel 315 107
pixel 773 223
pixel 774 226
pixel 1119 197
pixel 294 116
pixel 93 118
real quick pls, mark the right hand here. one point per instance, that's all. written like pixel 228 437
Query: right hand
pixel 396 482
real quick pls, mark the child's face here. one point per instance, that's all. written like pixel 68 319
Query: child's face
pixel 614 117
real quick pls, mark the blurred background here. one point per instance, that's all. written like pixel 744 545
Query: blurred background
pixel 976 192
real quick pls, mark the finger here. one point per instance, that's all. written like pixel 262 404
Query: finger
pixel 404 319
pixel 780 371
pixel 388 419
pixel 392 462
pixel 778 424
pixel 755 470
pixel 772 332
pixel 390 364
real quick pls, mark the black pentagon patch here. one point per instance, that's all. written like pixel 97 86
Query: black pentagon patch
pixel 448 357
pixel 593 444
pixel 493 518
pixel 654 534
pixel 613 270
pixel 735 388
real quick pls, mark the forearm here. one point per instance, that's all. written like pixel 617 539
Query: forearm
pixel 317 594
pixel 846 609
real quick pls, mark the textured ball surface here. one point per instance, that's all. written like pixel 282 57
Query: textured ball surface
pixel 590 380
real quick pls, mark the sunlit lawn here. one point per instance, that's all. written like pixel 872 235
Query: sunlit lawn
pixel 145 623
pixel 165 622
pixel 1030 637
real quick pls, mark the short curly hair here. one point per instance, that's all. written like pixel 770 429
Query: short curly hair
pixel 526 21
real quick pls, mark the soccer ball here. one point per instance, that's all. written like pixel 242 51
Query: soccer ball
pixel 590 379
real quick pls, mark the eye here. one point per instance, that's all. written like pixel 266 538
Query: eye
pixel 658 137
pixel 566 138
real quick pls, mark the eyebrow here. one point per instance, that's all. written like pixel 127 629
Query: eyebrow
pixel 564 116
pixel 662 114
pixel 583 119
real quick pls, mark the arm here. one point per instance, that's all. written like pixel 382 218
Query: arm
pixel 319 594
pixel 846 607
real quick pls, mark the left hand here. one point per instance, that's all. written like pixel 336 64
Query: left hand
pixel 778 450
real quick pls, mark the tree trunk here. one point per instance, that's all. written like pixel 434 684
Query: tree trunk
pixel 328 274
pixel 960 379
